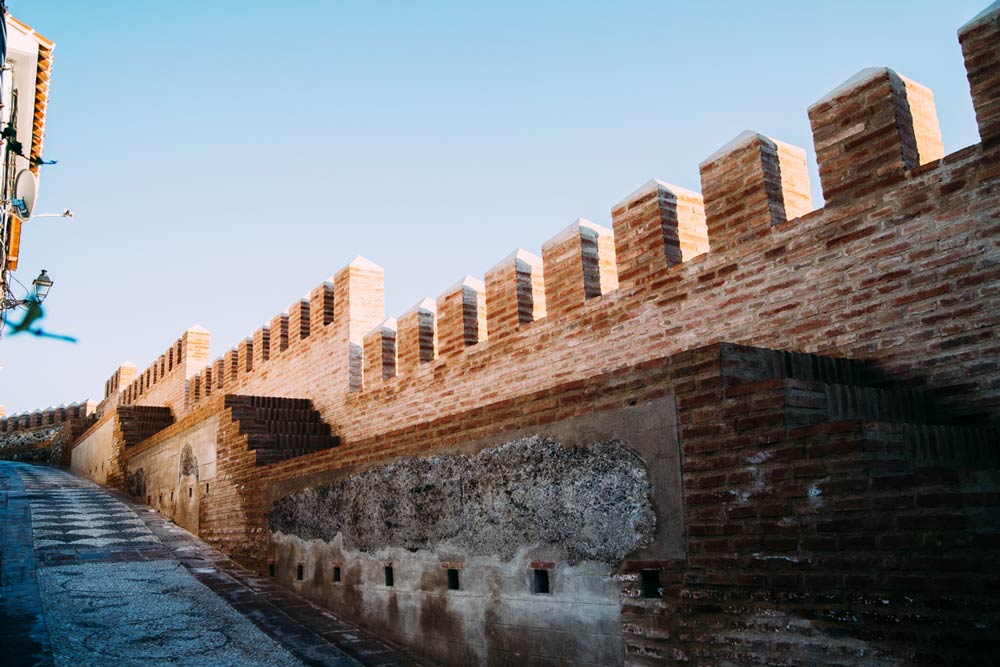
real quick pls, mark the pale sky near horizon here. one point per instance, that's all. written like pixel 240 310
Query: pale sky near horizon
pixel 224 158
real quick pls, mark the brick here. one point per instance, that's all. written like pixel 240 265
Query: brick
pixel 750 185
pixel 870 130
pixel 658 226
pixel 579 264
pixel 515 294
pixel 461 317
pixel 980 40
pixel 380 354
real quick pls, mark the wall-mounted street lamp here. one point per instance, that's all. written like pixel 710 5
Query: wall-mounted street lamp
pixel 42 285
pixel 32 306
pixel 40 289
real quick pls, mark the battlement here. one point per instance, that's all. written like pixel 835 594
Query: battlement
pixel 27 421
pixel 813 395
pixel 747 259
pixel 162 383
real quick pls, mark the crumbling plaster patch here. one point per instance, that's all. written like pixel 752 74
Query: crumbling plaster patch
pixel 589 503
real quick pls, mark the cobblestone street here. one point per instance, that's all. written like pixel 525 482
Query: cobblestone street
pixel 89 577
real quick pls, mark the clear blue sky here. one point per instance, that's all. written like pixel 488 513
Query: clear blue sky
pixel 225 157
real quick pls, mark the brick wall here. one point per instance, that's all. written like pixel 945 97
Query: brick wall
pixel 824 543
pixel 819 545
pixel 49 417
pixel 819 529
pixel 900 268
pixel 165 382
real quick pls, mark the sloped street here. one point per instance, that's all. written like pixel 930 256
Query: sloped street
pixel 88 577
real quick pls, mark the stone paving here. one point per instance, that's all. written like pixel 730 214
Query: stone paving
pixel 90 577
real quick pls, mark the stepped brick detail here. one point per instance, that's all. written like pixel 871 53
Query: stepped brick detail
pixel 277 429
pixel 820 500
pixel 138 422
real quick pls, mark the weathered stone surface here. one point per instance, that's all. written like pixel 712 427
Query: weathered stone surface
pixel 590 503
pixel 24 438
pixel 135 483
pixel 189 462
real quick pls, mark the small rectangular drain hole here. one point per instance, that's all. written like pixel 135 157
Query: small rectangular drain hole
pixel 541 582
pixel 649 584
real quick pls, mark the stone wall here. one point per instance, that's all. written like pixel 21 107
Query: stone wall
pixel 176 473
pixel 493 510
pixel 95 454
pixel 28 445
pixel 44 436
pixel 489 521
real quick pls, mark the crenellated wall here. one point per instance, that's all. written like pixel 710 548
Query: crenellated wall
pixel 812 395
pixel 48 417
pixel 44 435
pixel 165 382
pixel 903 247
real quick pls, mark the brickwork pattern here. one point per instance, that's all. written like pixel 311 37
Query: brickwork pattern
pixel 41 418
pixel 826 543
pixel 826 513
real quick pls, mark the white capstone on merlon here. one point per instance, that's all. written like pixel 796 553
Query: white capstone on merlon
pixel 427 304
pixel 579 226
pixel 519 254
pixel 195 329
pixel 858 80
pixel 742 139
pixel 467 281
pixel 388 324
pixel 739 141
pixel 991 13
pixel 360 262
pixel 656 184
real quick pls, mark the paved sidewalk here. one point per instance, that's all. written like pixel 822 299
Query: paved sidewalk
pixel 90 577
